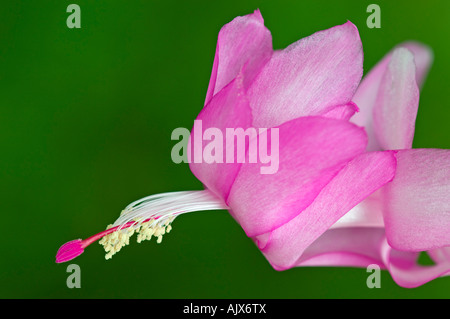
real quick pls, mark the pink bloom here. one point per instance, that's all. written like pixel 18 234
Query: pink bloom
pixel 331 200
pixel 412 213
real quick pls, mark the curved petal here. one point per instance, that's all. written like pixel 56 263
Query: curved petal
pixel 407 275
pixel 361 247
pixel 312 150
pixel 394 115
pixel 309 77
pixel 342 112
pixel 368 213
pixel 440 254
pixel 227 109
pixel 358 179
pixel 367 93
pixel 245 41
pixel 346 247
pixel 423 58
pixel 417 206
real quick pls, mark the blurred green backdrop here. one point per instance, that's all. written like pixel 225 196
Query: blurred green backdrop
pixel 86 116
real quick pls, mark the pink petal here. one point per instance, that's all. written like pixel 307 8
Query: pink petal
pixel 397 102
pixel 357 180
pixel 245 41
pixel 227 109
pixel 440 254
pixel 342 112
pixel 312 150
pixel 346 247
pixel 417 206
pixel 407 275
pixel 423 58
pixel 309 77
pixel 367 93
pixel 368 213
pixel 361 247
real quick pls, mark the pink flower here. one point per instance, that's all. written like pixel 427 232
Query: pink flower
pixel 412 213
pixel 331 199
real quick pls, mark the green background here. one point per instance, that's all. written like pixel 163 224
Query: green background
pixel 86 117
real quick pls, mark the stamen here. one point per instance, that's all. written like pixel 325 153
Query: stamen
pixel 149 217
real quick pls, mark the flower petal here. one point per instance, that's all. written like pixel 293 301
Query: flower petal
pixel 312 150
pixel 411 275
pixel 342 112
pixel 227 109
pixel 367 93
pixel 346 247
pixel 309 77
pixel 245 41
pixel 368 213
pixel 417 206
pixel 397 102
pixel 361 247
pixel 440 254
pixel 423 58
pixel 358 179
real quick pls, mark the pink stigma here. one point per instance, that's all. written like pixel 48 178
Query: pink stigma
pixel 75 248
pixel 69 251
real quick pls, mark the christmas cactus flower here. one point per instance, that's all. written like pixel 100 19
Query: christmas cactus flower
pixel 411 214
pixel 338 195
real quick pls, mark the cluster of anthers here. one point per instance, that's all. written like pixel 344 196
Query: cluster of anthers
pixel 149 217
pixel 146 229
